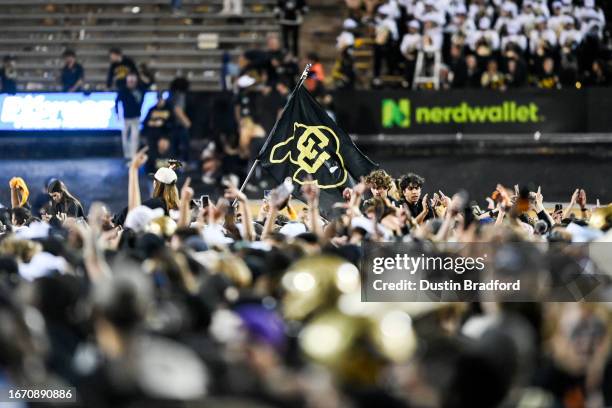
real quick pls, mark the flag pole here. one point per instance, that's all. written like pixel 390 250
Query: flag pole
pixel 256 162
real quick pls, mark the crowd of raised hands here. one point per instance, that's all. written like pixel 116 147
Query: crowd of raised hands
pixel 197 299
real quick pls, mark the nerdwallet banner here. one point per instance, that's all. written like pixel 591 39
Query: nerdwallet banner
pixel 63 111
pixel 468 111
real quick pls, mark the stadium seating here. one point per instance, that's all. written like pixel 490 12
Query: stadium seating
pixel 36 32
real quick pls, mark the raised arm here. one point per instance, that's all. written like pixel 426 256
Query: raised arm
pixel 233 193
pixel 138 161
pixel 186 196
pixel 540 210
pixel 568 210
pixel 311 193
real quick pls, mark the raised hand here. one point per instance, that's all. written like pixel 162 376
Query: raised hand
pixel 574 197
pixel 233 193
pixel 186 191
pixel 140 158
pixel 311 192
pixel 582 199
pixel 424 202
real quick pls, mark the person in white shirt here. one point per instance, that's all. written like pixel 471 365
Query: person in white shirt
pixel 541 39
pixel 430 11
pixel 514 36
pixel 412 40
pixel 592 19
pixel 540 8
pixel 432 34
pixel 570 37
pixel 506 16
pixel 527 16
pixel 567 7
pixel 460 23
pixel 410 46
pixel 555 22
pixel 479 8
pixel 347 36
pixel 484 40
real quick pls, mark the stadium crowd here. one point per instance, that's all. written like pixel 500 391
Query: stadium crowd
pixel 177 301
pixel 495 44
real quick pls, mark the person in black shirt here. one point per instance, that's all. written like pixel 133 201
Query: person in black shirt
pixel 291 15
pixel 380 184
pixel 120 67
pixel 411 186
pixel 64 204
pixel 8 76
pixel 159 120
pixel 72 74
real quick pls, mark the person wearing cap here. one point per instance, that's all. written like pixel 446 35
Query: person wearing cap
pixel 64 204
pixel 165 192
pixel 542 40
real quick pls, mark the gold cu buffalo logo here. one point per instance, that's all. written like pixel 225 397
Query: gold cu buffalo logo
pixel 316 152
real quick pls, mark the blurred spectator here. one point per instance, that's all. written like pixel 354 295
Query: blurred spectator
pixel 64 204
pixel 178 99
pixel 343 73
pixel 548 79
pixel 315 83
pixel 515 73
pixel 8 75
pixel 598 75
pixel 232 7
pixel 386 42
pixel 120 67
pixel 130 98
pixel 147 77
pixel 291 15
pixel 72 75
pixel 492 78
pixel 527 31
pixel 158 124
pixel 411 44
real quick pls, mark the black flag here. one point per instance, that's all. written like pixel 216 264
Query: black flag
pixel 307 145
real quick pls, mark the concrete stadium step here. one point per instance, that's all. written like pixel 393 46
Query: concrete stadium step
pixel 49 52
pixel 136 40
pixel 36 29
pixel 91 66
pixel 102 15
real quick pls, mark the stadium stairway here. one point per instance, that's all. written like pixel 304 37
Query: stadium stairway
pixel 36 32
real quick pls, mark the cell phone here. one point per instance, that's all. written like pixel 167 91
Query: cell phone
pixel 558 207
pixel 204 201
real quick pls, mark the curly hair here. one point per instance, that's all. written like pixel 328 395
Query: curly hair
pixel 411 178
pixel 379 179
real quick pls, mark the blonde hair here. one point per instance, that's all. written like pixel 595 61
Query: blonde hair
pixel 168 192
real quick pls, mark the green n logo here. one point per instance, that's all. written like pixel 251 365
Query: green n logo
pixel 396 114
